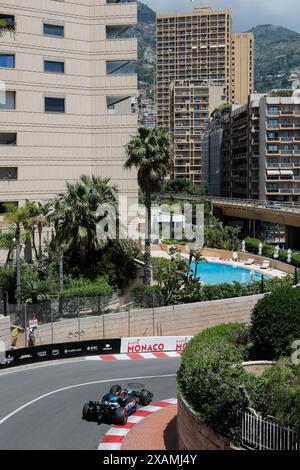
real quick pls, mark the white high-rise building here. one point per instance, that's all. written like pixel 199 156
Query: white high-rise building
pixel 68 82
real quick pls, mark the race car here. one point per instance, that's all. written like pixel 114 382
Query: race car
pixel 117 405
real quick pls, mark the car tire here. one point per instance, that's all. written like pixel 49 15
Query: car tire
pixel 145 397
pixel 121 416
pixel 86 412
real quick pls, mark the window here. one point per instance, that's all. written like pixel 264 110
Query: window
pixel 120 32
pixel 54 30
pixel 54 66
pixel 8 100
pixel 54 105
pixel 8 138
pixel 8 173
pixel 120 67
pixel 7 60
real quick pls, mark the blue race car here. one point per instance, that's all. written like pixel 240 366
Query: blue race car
pixel 116 405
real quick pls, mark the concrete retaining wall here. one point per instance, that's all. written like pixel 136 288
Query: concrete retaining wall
pixel 179 320
pixel 5 331
pixel 193 434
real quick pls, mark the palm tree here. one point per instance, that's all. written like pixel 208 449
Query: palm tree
pixel 39 220
pixel 18 218
pixel 197 256
pixel 151 153
pixel 75 217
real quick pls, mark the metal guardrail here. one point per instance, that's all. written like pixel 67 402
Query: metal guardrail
pixel 256 433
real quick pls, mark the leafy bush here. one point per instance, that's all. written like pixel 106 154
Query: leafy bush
pixel 85 288
pixel 147 296
pixel 281 393
pixel 275 322
pixel 208 380
pixel 196 292
pixel 252 246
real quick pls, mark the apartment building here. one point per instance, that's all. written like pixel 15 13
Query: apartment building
pixel 199 46
pixel 192 103
pixel 254 150
pixel 279 147
pixel 242 78
pixel 67 86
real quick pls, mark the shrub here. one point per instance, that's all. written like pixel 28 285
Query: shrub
pixel 85 288
pixel 147 296
pixel 275 322
pixel 196 292
pixel 281 393
pixel 208 380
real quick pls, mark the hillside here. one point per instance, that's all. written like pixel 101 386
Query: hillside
pixel 145 31
pixel 277 57
pixel 277 53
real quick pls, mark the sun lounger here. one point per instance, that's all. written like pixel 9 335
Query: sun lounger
pixel 235 256
pixel 249 261
pixel 265 265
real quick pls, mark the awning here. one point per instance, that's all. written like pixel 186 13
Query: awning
pixel 273 172
pixel 287 172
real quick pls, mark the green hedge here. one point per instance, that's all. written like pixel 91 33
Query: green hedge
pixel 149 296
pixel 207 380
pixel 85 288
pixel 252 246
pixel 216 386
pixel 275 322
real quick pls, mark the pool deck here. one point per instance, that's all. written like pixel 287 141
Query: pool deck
pixel 271 272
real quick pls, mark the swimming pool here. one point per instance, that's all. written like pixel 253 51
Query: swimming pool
pixel 216 273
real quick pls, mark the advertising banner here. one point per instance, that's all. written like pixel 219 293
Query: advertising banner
pixel 154 344
pixel 48 352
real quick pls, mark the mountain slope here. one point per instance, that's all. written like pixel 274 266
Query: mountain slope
pixel 277 57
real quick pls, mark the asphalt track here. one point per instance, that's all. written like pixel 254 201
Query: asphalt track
pixel 40 406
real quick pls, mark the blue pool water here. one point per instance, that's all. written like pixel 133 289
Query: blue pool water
pixel 215 273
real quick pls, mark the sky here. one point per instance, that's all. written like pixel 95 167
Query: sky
pixel 246 13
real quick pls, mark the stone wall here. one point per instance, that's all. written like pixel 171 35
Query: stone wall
pixel 186 319
pixel 193 434
pixel 5 331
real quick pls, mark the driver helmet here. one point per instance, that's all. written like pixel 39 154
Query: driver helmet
pixel 122 393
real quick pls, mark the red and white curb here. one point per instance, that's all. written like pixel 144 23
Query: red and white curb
pixel 113 439
pixel 134 356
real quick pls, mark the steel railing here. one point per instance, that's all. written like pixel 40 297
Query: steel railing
pixel 256 433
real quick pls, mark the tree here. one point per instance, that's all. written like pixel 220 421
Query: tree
pixel 151 153
pixel 197 257
pixel 39 220
pixel 19 219
pixel 75 217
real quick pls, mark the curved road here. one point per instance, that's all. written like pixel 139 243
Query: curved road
pixel 40 406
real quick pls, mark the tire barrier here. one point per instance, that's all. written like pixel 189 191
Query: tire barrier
pixel 17 357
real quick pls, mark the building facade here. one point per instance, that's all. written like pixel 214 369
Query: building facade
pixel 192 103
pixel 199 46
pixel 242 78
pixel 254 150
pixel 67 86
pixel 279 147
